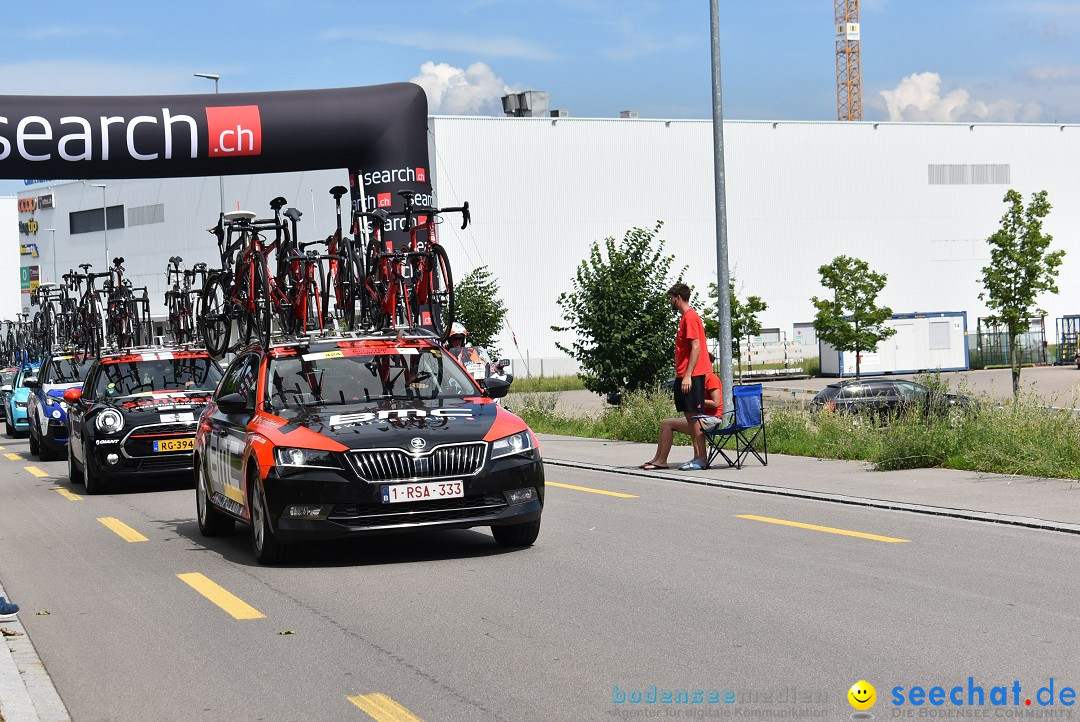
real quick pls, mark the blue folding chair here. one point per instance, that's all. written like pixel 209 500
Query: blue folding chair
pixel 745 426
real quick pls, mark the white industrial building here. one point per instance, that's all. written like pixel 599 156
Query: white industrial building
pixel 916 201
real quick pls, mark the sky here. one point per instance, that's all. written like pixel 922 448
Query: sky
pixel 922 60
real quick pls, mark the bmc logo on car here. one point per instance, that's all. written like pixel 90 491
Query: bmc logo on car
pixel 234 130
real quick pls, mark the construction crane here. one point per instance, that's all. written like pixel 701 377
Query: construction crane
pixel 848 72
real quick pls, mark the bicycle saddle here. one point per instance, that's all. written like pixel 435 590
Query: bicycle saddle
pixel 338 191
pixel 278 203
pixel 85 266
pixel 176 259
pixel 293 214
pixel 119 260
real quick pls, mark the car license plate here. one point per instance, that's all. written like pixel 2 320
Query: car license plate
pixel 174 445
pixel 425 491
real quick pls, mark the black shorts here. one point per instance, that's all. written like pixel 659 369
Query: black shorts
pixel 692 402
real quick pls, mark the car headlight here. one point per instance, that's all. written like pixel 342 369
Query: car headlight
pixel 109 421
pixel 518 443
pixel 20 404
pixel 289 456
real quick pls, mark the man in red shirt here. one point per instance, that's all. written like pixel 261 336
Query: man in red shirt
pixel 691 365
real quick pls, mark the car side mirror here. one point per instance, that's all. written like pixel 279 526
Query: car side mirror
pixel 5 389
pixel 31 382
pixel 496 388
pixel 72 395
pixel 233 403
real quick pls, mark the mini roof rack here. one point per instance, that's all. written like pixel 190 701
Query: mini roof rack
pixel 151 348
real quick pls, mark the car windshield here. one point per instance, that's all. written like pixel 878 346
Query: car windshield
pixel 66 370
pixel 327 378
pixel 7 377
pixel 178 374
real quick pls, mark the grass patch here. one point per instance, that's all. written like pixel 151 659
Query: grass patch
pixel 532 384
pixel 1016 437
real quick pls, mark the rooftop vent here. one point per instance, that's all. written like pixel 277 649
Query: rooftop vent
pixel 628 114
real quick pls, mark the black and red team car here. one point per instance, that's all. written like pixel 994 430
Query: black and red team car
pixel 334 438
pixel 136 414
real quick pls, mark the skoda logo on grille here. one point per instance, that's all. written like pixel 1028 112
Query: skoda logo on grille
pixel 417 443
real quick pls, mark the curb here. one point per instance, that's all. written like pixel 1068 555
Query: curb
pixel 966 514
pixel 27 693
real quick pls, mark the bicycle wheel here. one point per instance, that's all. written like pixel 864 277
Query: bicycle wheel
pixel 373 291
pixel 93 333
pixel 312 314
pixel 263 307
pixel 339 293
pixel 403 305
pixel 440 289
pixel 215 322
pixel 286 301
pixel 242 284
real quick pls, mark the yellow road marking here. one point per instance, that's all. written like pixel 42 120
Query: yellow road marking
pixel 67 494
pixel 591 490
pixel 123 530
pixel 13 457
pixel 383 708
pixel 220 596
pixel 36 471
pixel 829 529
pixel 1 448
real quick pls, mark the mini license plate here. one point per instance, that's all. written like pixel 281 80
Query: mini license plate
pixel 174 445
pixel 425 491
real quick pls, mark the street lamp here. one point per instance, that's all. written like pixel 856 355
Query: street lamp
pixel 221 181
pixel 52 246
pixel 105 218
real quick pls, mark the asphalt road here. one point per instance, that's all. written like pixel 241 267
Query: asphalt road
pixel 632 583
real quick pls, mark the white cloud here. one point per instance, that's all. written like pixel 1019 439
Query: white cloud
pixel 918 98
pixel 475 90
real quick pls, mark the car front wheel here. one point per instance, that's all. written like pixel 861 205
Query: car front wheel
pixel 267 548
pixel 516 535
pixel 94 483
pixel 74 474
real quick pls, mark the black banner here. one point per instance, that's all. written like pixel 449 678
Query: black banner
pixel 378 133
pixel 159 136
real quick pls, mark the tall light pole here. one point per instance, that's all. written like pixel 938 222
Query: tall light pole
pixel 105 218
pixel 221 180
pixel 723 276
pixel 52 247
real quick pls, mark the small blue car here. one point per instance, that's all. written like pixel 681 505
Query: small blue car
pixel 15 394
pixel 46 408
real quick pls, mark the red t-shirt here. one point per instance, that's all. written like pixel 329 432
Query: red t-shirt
pixel 691 327
pixel 712 381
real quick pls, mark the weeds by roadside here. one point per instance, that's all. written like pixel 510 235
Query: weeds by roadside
pixel 1021 437
pixel 531 384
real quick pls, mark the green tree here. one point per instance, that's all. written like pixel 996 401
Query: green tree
pixel 620 315
pixel 851 320
pixel 1020 269
pixel 744 321
pixel 479 308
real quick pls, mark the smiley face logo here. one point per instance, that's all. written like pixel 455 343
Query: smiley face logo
pixel 862 695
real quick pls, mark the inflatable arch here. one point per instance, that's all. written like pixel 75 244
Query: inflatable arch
pixel 377 133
